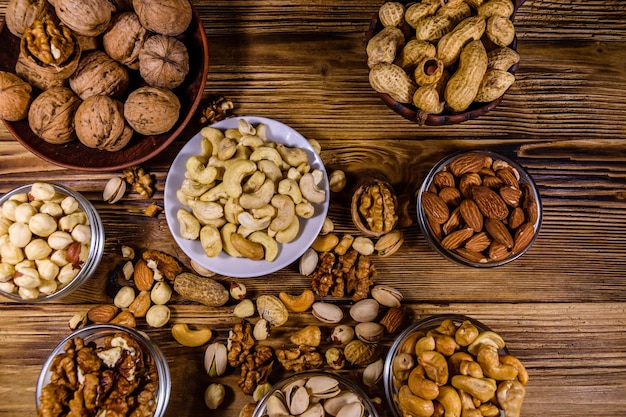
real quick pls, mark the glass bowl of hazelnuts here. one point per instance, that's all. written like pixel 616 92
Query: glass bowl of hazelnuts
pixel 479 209
pixel 51 241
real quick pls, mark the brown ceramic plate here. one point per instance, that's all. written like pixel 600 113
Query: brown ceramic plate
pixel 410 112
pixel 141 148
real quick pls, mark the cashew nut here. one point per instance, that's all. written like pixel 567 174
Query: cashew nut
pixel 522 373
pixel 193 188
pixel 232 209
pixel 189 225
pixel 269 244
pixel 210 240
pixel 290 233
pixel 265 152
pixel 293 156
pixel 435 366
pixel 252 141
pixel 215 193
pixel 226 149
pixel 413 405
pixel 285 211
pixel 310 191
pixel 260 197
pixel 198 171
pixel 227 230
pixel 422 386
pixel 450 400
pixel 510 397
pixel 266 210
pixel 234 175
pixel 298 303
pixel 291 188
pixel 249 249
pixel 205 211
pixel 254 182
pixel 305 210
pixel 245 128
pixel 247 219
pixel 482 389
pixel 325 243
pixel 486 337
pixel 489 359
pixel 271 170
pixel 213 137
pixel 191 338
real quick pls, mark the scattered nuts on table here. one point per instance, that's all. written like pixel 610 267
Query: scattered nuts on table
pixel 190 337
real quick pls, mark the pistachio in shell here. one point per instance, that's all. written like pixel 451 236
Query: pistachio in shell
pixel 163 61
pixel 167 17
pixel 85 17
pixel 152 110
pixel 100 124
pixel 99 74
pixel 124 38
pixel 15 97
pixel 51 115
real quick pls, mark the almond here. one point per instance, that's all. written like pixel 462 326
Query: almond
pixel 511 195
pixel 499 232
pixel 467 182
pixel 435 228
pixel 140 305
pixel 479 242
pixel 508 176
pixel 471 214
pixel 434 207
pixel 516 218
pixel 498 251
pixel 490 203
pixel 492 181
pixel 523 236
pixel 125 318
pixel 451 196
pixel 102 313
pixel 143 276
pixel 443 179
pixel 393 319
pixel 531 209
pixel 469 162
pixel 453 223
pixel 472 256
pixel 457 238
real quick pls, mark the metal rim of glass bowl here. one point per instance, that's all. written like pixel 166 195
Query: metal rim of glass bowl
pixel 423 223
pixel 96 247
pixel 427 323
pixel 98 331
pixel 369 409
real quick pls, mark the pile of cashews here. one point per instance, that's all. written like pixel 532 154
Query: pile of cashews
pixel 244 194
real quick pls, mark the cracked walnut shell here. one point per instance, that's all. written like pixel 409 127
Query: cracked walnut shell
pixel 374 206
pixel 163 61
pixel 51 115
pixel 15 97
pixel 100 124
pixel 152 110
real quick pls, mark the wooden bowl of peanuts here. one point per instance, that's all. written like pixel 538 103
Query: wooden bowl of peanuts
pixel 438 62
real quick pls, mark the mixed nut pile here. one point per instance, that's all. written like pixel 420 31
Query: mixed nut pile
pixel 75 70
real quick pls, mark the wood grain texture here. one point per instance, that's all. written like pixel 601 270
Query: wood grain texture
pixel 561 307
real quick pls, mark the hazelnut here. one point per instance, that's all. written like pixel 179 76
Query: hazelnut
pixel 158 315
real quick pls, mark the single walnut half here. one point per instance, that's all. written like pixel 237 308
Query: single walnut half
pixel 163 61
pixel 124 38
pixel 21 14
pixel 152 110
pixel 85 17
pixel 167 17
pixel 98 73
pixel 100 124
pixel 15 97
pixel 51 115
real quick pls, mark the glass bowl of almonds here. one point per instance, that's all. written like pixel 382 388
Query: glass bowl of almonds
pixel 121 370
pixel 454 365
pixel 51 241
pixel 315 394
pixel 479 209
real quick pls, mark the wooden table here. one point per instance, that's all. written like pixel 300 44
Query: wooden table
pixel 561 307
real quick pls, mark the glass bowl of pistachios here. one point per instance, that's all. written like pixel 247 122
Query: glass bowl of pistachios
pixel 315 394
pixel 451 364
pixel 51 242
pixel 108 353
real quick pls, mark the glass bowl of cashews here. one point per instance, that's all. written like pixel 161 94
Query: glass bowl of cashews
pixel 246 196
pixel 452 364
pixel 108 353
pixel 51 241
pixel 315 394
pixel 439 62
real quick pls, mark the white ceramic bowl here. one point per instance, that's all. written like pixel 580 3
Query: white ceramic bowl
pixel 242 267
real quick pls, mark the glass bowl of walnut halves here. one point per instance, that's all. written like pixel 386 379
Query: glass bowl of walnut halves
pixel 104 368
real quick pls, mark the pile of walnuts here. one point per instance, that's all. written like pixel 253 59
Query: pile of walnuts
pixel 76 62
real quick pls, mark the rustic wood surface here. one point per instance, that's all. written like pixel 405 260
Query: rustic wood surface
pixel 561 307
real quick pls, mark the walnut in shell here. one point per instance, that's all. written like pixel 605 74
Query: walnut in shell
pixel 85 17
pixel 98 73
pixel 15 97
pixel 49 54
pixel 51 115
pixel 152 110
pixel 21 14
pixel 124 38
pixel 163 61
pixel 100 124
pixel 167 17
